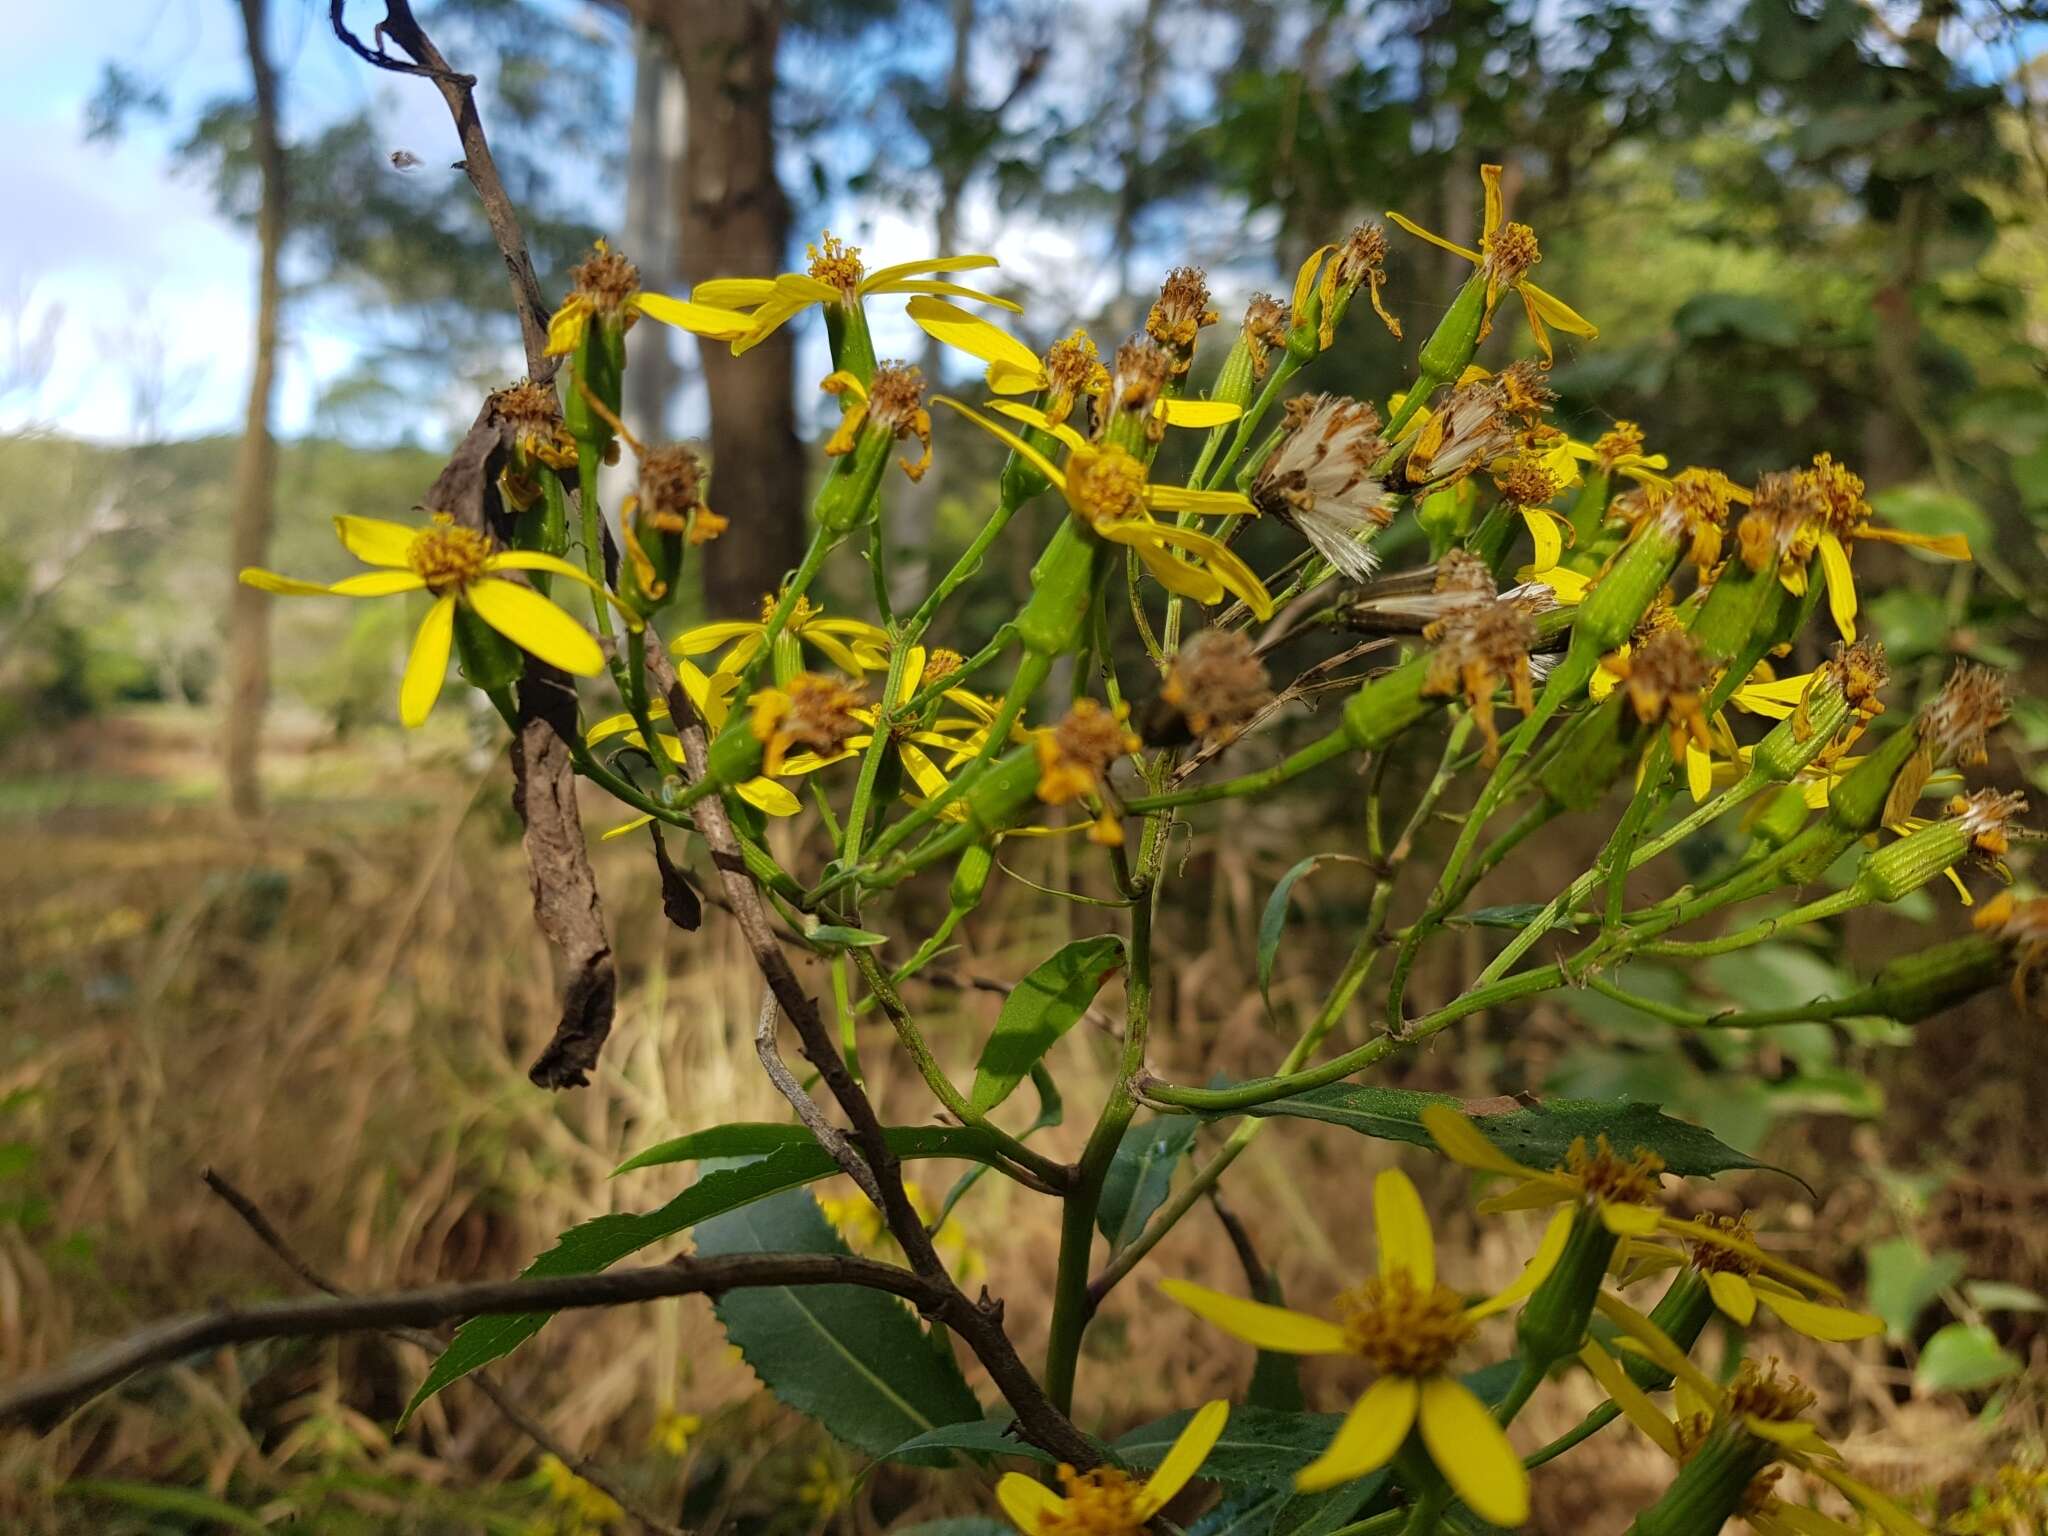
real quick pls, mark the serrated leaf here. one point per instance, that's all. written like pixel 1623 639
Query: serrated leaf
pixel 854 1359
pixel 1043 1007
pixel 1963 1357
pixel 1903 1279
pixel 981 1437
pixel 1273 920
pixel 757 1138
pixel 1141 1174
pixel 1248 1512
pixel 1259 1447
pixel 1537 1136
pixel 829 936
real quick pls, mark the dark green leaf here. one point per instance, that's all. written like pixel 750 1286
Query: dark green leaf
pixel 753 1138
pixel 1259 1447
pixel 1043 1007
pixel 979 1437
pixel 857 1361
pixel 1141 1173
pixel 1246 1513
pixel 828 937
pixel 1538 1136
pixel 1276 1377
pixel 1274 919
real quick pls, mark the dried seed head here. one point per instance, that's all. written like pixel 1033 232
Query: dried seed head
pixel 1401 1329
pixel 1362 258
pixel 1142 371
pixel 1216 683
pixel 1665 675
pixel 1319 481
pixel 1072 372
pixel 1862 672
pixel 447 556
pixel 838 264
pixel 1605 1174
pixel 671 487
pixel 1266 321
pixel 2023 926
pixel 1525 392
pixel 1074 759
pixel 1481 644
pixel 1179 314
pixel 1839 492
pixel 1106 484
pixel 1623 440
pixel 1525 482
pixel 812 711
pixel 896 405
pixel 1987 816
pixel 1469 431
pixel 529 409
pixel 1510 252
pixel 1972 703
pixel 604 280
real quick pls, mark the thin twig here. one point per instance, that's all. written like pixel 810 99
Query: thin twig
pixel 253 1217
pixel 828 1135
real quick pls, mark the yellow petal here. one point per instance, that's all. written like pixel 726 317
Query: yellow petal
pixel 623 828
pixel 533 623
pixel 1305 277
pixel 374 541
pixel 534 560
pixel 953 290
pixel 967 262
pixel 565 329
pixel 1032 416
pixel 1438 241
pixel 954 327
pixel 1732 1295
pixel 1535 1272
pixel 1834 568
pixel 1009 379
pixel 923 772
pixel 1473 1453
pixel 1027 1501
pixel 733 292
pixel 769 797
pixel 378 584
pixel 1030 455
pixel 1267 1327
pixel 1403 1227
pixel 1544 536
pixel 427 667
pixel 610 726
pixel 1463 1143
pixel 1946 546
pixel 1496 209
pixel 698 319
pixel 1534 1194
pixel 767 320
pixel 1631 1399
pixel 1369 1436
pixel 1703 1232
pixel 1891 1519
pixel 1554 311
pixel 1224 563
pixel 1178 576
pixel 1801 1521
pixel 1191 1448
pixel 1650 1341
pixel 1832 1325
pixel 283 586
pixel 709 637
pixel 1628 1220
pixel 1699 772
pixel 1197 413
pixel 1174 498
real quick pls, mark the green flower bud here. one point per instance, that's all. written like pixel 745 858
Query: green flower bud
pixel 489 661
pixel 1450 347
pixel 1681 1315
pixel 889 411
pixel 1892 871
pixel 970 877
pixel 1552 1326
pixel 1782 817
pixel 1711 1485
pixel 1063 585
pixel 1919 986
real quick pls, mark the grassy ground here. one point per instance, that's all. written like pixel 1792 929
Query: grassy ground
pixel 336 1010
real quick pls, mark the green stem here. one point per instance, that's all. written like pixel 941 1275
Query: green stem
pixel 878 746
pixel 1585 1429
pixel 965 567
pixel 1314 755
pixel 1524 1386
pixel 1813 911
pixel 1288 366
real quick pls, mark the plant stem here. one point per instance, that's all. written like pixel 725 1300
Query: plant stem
pixel 1585 1429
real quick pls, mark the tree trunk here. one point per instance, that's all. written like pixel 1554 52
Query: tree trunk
pixel 653 170
pixel 248 636
pixel 734 222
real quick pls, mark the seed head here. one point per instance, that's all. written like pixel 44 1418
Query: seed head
pixel 1215 684
pixel 1524 391
pixel 1179 314
pixel 1402 1330
pixel 1623 440
pixel 1072 372
pixel 2023 927
pixel 1696 511
pixel 812 711
pixel 1320 480
pixel 1266 321
pixel 838 264
pixel 1973 703
pixel 1469 431
pixel 1987 815
pixel 447 556
pixel 1525 482
pixel 1759 1392
pixel 1481 644
pixel 529 409
pixel 1142 371
pixel 605 280
pixel 1074 759
pixel 671 488
pixel 1665 675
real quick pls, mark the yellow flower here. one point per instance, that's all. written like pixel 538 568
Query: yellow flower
pixel 1106 487
pixel 835 277
pixel 1410 1328
pixel 812 711
pixel 712 698
pixel 825 1488
pixel 1107 1501
pixel 588 1507
pixel 1740 1280
pixel 957 737
pixel 457 565
pixel 608 286
pixel 1070 370
pixel 1507 251
pixel 854 646
pixel 1841 517
pixel 673 1432
pixel 1758 1403
pixel 1074 759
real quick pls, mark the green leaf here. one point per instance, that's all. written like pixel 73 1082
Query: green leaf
pixel 165 1501
pixel 1537 1136
pixel 1961 1358
pixel 1248 1512
pixel 754 1138
pixel 854 1359
pixel 1740 316
pixel 1259 1447
pixel 2003 1296
pixel 1141 1173
pixel 1274 919
pixel 1043 1007
pixel 981 1437
pixel 827 936
pixel 1517 914
pixel 1903 1279
pixel 1051 1111
pixel 1276 1377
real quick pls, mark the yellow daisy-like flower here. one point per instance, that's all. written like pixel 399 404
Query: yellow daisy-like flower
pixel 956 738
pixel 1741 1279
pixel 1108 1501
pixel 607 286
pixel 1106 487
pixel 457 565
pixel 1506 252
pixel 1759 1403
pixel 1410 1329
pixel 835 276
pixel 1844 517
pixel 854 646
pixel 811 711
pixel 1069 372
pixel 711 697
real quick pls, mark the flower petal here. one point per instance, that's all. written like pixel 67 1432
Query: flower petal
pixel 1197 413
pixel 1027 1501
pixel 1190 1449
pixel 535 560
pixel 1031 415
pixel 1439 241
pixel 1554 311
pixel 1223 563
pixel 709 637
pixel 1543 534
pixel 1834 567
pixel 1473 1453
pixel 1178 576
pixel 767 796
pixel 375 541
pixel 1031 455
pixel 1631 1399
pixel 1305 277
pixel 623 828
pixel 733 292
pixel 1944 546
pixel 1891 1519
pixel 699 319
pixel 1174 498
pixel 283 586
pixel 427 667
pixel 1625 1219
pixel 1832 1325
pixel 378 584
pixel 966 262
pixel 1732 1295
pixel 1802 1521
pixel 533 623
pixel 1267 1327
pixel 1464 1143
pixel 1699 772
pixel 952 326
pixel 1406 1243
pixel 1369 1436
pixel 1535 1272
pixel 954 290
pixel 1650 1341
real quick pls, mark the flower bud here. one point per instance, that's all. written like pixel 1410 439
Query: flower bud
pixel 1130 415
pixel 1920 986
pixel 1781 819
pixel 889 411
pixel 1451 345
pixel 1552 1326
pixel 1976 823
pixel 970 877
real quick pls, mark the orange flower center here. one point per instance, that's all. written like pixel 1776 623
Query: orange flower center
pixel 1401 1329
pixel 1104 1502
pixel 447 557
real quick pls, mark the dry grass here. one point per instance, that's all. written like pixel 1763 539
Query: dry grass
pixel 337 1014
